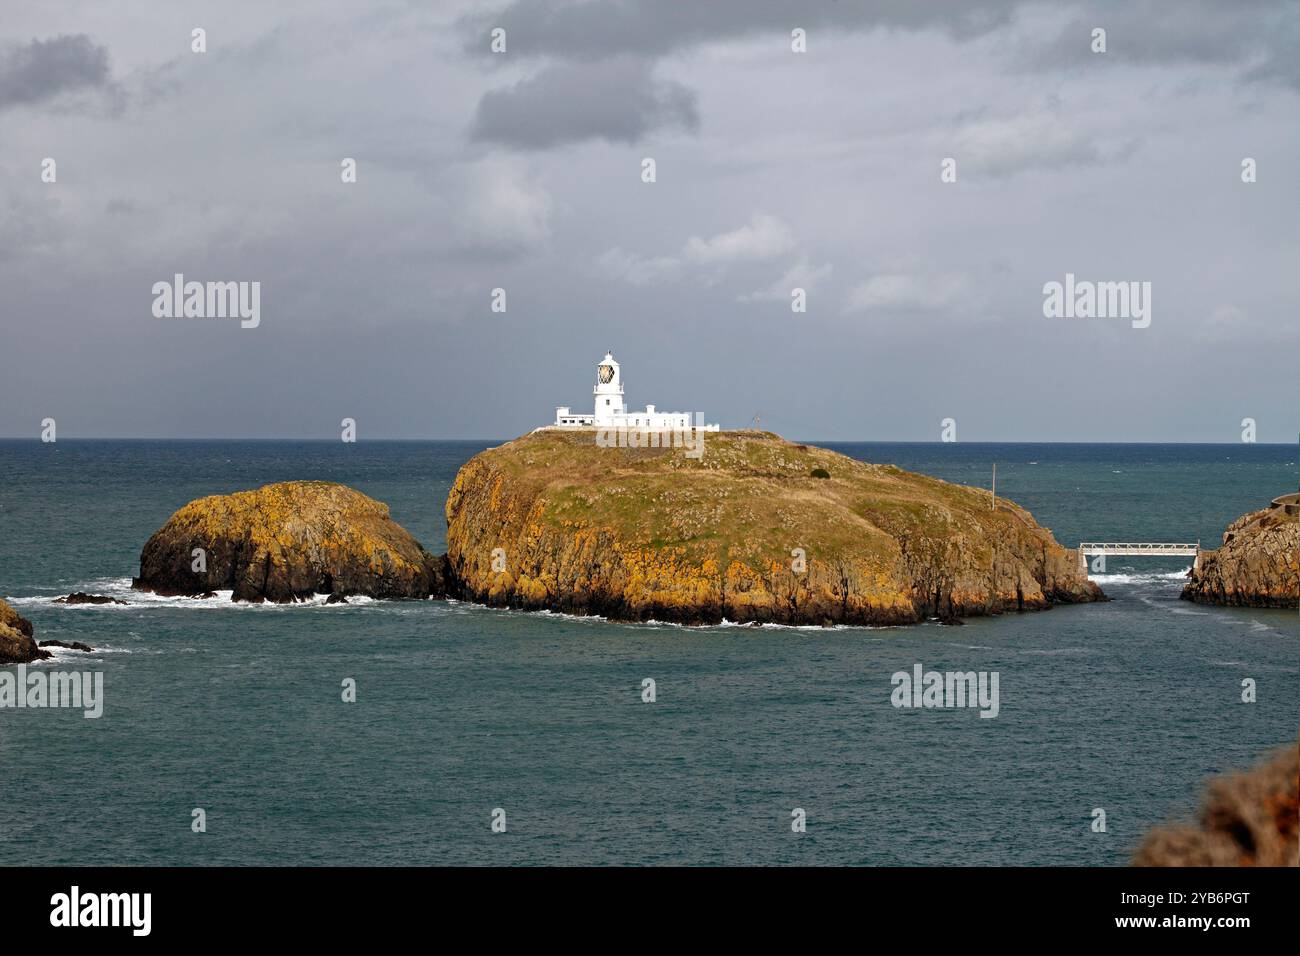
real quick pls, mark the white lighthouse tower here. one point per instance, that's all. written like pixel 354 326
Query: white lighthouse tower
pixel 611 412
pixel 608 391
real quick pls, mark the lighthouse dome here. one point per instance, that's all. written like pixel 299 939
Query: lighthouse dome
pixel 607 370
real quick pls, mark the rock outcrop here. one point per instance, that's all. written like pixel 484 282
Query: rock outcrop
pixel 286 542
pixel 71 646
pixel 17 646
pixel 81 597
pixel 1247 819
pixel 744 532
pixel 1258 564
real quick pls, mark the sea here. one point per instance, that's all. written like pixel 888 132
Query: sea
pixel 494 737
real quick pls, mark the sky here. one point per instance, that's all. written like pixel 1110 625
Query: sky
pixel 774 170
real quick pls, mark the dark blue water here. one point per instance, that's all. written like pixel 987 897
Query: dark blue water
pixel 1126 706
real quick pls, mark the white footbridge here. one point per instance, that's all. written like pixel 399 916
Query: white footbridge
pixel 1155 549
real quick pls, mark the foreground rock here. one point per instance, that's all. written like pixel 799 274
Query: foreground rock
pixel 1247 819
pixel 745 533
pixel 81 597
pixel 1258 564
pixel 286 542
pixel 17 646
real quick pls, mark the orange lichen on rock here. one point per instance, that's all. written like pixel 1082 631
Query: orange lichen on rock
pixel 17 642
pixel 744 533
pixel 288 541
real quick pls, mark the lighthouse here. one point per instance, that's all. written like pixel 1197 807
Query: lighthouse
pixel 611 411
pixel 608 391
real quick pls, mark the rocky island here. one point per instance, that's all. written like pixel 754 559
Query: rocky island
pixel 1258 564
pixel 756 529
pixel 286 542
pixel 17 645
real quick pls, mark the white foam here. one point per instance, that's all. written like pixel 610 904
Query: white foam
pixel 470 607
pixel 120 589
pixel 1140 577
pixel 1173 608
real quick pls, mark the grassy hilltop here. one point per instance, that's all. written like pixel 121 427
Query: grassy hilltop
pixel 652 533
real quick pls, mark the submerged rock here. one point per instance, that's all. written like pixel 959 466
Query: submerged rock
pixel 17 646
pixel 81 597
pixel 285 542
pixel 1258 564
pixel 744 533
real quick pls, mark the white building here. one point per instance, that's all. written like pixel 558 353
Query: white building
pixel 610 412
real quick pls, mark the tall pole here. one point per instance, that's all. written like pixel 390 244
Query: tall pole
pixel 993 495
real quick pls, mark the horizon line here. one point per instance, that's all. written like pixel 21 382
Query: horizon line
pixel 859 441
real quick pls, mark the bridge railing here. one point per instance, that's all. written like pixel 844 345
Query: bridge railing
pixel 1134 547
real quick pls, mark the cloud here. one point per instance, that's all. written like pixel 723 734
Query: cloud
pixel 1231 325
pixel 801 275
pixel 1258 39
pixel 598 82
pixel 1226 323
pixel 764 237
pixel 252 191
pixel 617 263
pixel 618 100
pixel 596 29
pixel 502 210
pixel 44 69
pixel 31 224
pixel 906 292
pixel 1001 146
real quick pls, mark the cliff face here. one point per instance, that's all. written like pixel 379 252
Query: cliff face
pixel 1258 564
pixel 744 532
pixel 288 541
pixel 17 645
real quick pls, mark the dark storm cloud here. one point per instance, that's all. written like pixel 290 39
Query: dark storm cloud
pixel 617 100
pixel 599 81
pixel 42 69
pixel 594 29
pixel 599 84
pixel 1260 37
